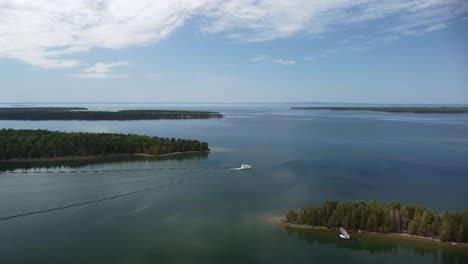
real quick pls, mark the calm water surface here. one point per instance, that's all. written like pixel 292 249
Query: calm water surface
pixel 199 210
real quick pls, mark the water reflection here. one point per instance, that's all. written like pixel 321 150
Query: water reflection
pixel 382 245
pixel 77 163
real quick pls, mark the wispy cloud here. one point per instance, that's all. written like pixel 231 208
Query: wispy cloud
pixel 97 75
pixel 436 27
pixel 64 28
pixel 268 58
pixel 284 62
pixel 101 67
pixel 262 57
pixel 355 43
pixel 102 70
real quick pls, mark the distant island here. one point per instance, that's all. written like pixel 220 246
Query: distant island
pixel 417 110
pixel 81 113
pixel 44 144
pixel 391 218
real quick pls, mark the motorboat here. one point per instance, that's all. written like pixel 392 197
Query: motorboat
pixel 245 167
pixel 344 234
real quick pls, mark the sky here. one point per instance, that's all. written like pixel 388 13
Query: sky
pixel 356 51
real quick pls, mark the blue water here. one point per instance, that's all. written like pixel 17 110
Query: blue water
pixel 196 210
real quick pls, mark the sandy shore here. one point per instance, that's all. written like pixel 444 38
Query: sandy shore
pixel 282 222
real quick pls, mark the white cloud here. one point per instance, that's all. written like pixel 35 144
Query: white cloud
pixel 284 62
pixel 268 58
pixel 50 33
pixel 102 70
pixel 436 27
pixel 272 19
pixel 263 57
pixel 97 75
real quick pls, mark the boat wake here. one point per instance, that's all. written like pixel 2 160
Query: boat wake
pixel 5 218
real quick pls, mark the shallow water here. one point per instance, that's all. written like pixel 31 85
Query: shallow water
pixel 198 210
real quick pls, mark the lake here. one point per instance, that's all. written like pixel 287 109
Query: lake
pixel 201 210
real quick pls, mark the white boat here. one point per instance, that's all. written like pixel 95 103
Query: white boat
pixel 344 234
pixel 245 167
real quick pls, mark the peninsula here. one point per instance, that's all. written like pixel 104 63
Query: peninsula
pixel 42 144
pixel 394 219
pixel 417 110
pixel 81 113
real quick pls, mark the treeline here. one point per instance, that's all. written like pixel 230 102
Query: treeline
pixel 385 218
pixel 33 144
pixel 48 108
pixel 70 113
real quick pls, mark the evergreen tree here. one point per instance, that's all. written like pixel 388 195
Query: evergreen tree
pixel 374 216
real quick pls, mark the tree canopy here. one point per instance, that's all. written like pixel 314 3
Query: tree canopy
pixel 33 144
pixel 385 218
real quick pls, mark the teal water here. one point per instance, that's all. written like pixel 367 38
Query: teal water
pixel 199 210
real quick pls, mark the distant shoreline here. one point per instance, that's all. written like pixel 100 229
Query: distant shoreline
pixel 81 113
pixel 282 222
pixel 416 110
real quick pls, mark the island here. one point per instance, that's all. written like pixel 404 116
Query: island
pixel 81 113
pixel 416 110
pixel 391 219
pixel 43 144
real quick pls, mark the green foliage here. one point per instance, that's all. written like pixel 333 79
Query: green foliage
pixel 385 218
pixel 32 144
pixel 291 216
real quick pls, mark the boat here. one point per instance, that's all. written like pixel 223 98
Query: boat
pixel 245 167
pixel 344 234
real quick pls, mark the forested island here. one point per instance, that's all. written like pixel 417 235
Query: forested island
pixel 417 110
pixel 387 218
pixel 81 113
pixel 43 144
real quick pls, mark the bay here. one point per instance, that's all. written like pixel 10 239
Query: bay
pixel 202 210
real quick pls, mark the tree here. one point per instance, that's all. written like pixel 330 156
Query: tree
pixel 447 231
pixel 29 144
pixel 376 217
pixel 291 216
pixel 460 233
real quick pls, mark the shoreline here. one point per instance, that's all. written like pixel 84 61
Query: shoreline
pixel 414 110
pixel 82 113
pixel 98 157
pixel 400 236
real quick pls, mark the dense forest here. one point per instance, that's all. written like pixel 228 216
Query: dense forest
pixel 77 113
pixel 33 144
pixel 385 218
pixel 418 110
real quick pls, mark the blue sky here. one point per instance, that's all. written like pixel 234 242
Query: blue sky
pixel 235 51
